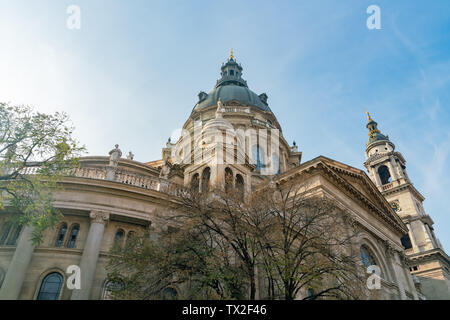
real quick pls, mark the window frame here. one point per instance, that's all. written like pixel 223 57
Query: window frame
pixel 68 241
pixel 43 280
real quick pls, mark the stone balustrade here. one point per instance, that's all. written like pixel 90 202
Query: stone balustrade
pixel 237 109
pixel 130 178
pixel 387 186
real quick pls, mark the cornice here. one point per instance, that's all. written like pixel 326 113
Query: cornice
pixel 391 219
pixel 433 254
pixel 402 187
pixel 321 163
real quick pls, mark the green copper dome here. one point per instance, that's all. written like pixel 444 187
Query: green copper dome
pixel 231 92
pixel 230 87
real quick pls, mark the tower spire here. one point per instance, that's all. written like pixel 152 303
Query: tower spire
pixel 374 133
pixel 231 54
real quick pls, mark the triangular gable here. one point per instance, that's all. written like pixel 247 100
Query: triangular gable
pixel 361 182
pixel 356 182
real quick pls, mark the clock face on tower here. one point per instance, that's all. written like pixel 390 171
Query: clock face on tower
pixel 395 206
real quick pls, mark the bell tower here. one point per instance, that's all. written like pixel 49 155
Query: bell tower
pixel 429 264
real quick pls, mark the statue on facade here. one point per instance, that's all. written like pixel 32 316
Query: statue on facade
pixel 219 110
pixel 165 170
pixel 130 156
pixel 114 156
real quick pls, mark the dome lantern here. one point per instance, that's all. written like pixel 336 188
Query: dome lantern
pixel 231 73
pixel 374 133
pixel 231 87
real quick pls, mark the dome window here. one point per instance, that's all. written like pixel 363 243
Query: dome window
pixel 258 157
pixel 205 179
pixel 240 186
pixel 228 179
pixel 195 183
pixel 202 96
pixel 263 98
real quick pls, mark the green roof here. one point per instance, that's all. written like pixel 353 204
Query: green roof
pixel 230 87
pixel 231 92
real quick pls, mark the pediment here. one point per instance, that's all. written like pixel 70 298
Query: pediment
pixel 355 183
pixel 359 180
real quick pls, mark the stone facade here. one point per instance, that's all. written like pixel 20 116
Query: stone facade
pixel 231 132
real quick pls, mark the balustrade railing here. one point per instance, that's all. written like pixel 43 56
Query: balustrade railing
pixel 387 186
pixel 129 178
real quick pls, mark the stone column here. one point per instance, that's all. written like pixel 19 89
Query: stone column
pixel 392 166
pixel 377 178
pixel 407 274
pixel 391 259
pixel 412 238
pixel 89 258
pixel 18 266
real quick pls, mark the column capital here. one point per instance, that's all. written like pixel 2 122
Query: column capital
pixel 389 249
pixel 403 259
pixel 99 216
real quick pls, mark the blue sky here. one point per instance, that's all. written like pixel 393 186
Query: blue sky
pixel 132 73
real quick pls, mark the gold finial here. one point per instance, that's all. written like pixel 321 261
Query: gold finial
pixel 369 118
pixel 231 54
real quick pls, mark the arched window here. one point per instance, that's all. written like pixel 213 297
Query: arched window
pixel 366 256
pixel 228 179
pixel 111 287
pixel 118 238
pixel 275 164
pixel 195 183
pixel 384 174
pixel 240 185
pixel 205 179
pixel 406 241
pixel 61 235
pixel 73 236
pixel 12 241
pixel 258 157
pixel 5 233
pixel 130 237
pixel 169 294
pixel 51 287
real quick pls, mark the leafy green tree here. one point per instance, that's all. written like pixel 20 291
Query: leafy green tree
pixel 36 151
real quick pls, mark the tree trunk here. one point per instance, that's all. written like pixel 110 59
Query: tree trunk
pixel 252 284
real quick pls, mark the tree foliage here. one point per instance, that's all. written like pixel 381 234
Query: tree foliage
pixel 36 151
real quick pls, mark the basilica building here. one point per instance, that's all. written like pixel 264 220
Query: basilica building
pixel 231 132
